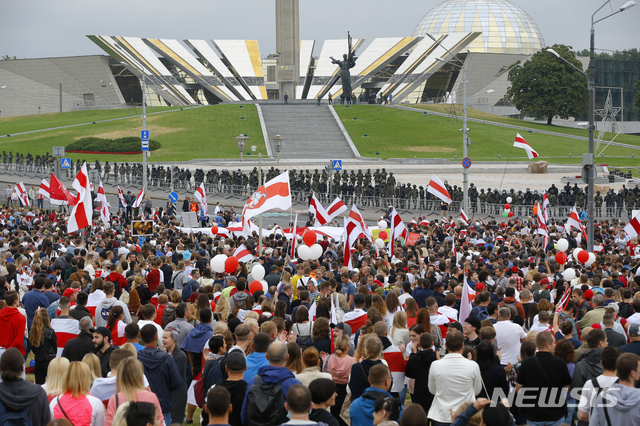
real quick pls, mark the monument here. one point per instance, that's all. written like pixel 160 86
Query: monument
pixel 348 62
pixel 288 46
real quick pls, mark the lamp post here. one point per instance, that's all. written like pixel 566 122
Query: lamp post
pixel 277 141
pixel 242 143
pixel 588 158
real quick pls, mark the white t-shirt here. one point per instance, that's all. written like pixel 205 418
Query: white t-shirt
pixel 587 390
pixel 509 335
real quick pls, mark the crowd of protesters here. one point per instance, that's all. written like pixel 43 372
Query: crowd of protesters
pixel 124 330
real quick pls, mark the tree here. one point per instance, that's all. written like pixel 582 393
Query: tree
pixel 7 58
pixel 544 87
pixel 637 103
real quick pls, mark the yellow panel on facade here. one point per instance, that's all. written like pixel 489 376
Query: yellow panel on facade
pixel 394 50
pixel 254 54
pixel 137 55
pixel 167 51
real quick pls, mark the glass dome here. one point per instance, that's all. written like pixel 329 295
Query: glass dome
pixel 505 27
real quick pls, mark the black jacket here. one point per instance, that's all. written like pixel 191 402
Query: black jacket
pixel 285 299
pixel 79 312
pixel 323 416
pixel 359 381
pixel 418 367
pixel 76 348
pixel 16 396
pixel 49 347
pixel 179 396
pixel 162 373
pixel 104 360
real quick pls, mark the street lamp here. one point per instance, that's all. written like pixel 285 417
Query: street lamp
pixel 277 141
pixel 242 143
pixel 588 159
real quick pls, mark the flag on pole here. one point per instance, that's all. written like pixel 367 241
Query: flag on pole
pixel 468 294
pixel 542 227
pixel 294 237
pixel 243 254
pixel 274 194
pixel 139 199
pixel 521 143
pixel 58 193
pixel 336 208
pixel 201 196
pixel 562 305
pixel 464 217
pixel 574 222
pixel 82 212
pixel 397 229
pixel 121 197
pixel 312 311
pixel 355 215
pixel 101 195
pixel 320 215
pixel 105 207
pixel 22 194
pixel 351 232
pixel 633 227
pixel 545 206
pixel 437 188
pixel 44 189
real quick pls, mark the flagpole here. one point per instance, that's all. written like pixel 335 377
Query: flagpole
pixel 505 168
pixel 260 215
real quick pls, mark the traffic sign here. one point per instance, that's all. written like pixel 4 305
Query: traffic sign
pixel 144 135
pixel 145 145
pixel 466 162
pixel 337 165
pixel 65 163
pixel 173 197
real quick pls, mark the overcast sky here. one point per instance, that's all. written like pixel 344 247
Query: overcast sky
pixel 51 28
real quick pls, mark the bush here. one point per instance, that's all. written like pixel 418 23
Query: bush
pixel 126 144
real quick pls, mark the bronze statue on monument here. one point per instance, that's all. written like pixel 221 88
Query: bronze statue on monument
pixel 348 62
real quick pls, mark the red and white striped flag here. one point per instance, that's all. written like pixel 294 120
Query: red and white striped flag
pixel 101 196
pixel 356 319
pixel 105 207
pixel 336 208
pixel 22 194
pixel 468 294
pixel 312 311
pixel 562 304
pixel 65 329
pixel 351 232
pixel 201 196
pixel 59 194
pixel 542 227
pixel 464 217
pixel 243 254
pixel 597 248
pixel 274 194
pixel 44 189
pixel 574 222
pixel 355 215
pixel 396 363
pixel 397 229
pixel 294 237
pixel 82 213
pixel 139 199
pixel 437 188
pixel 633 227
pixel 545 206
pixel 521 143
pixel 320 215
pixel 121 197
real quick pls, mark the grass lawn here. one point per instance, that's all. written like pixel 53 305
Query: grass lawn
pixel 206 132
pixel 394 133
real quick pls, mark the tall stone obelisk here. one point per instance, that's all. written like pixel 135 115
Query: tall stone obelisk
pixel 288 46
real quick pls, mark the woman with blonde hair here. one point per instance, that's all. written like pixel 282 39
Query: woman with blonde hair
pixel 339 366
pixel 130 387
pixel 75 404
pixel 223 310
pixel 44 344
pixel 311 361
pixel 93 362
pixel 55 377
pixel 378 302
pixel 399 333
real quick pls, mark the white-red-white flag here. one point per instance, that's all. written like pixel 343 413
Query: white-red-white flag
pixel 468 294
pixel 545 206
pixel 574 222
pixel 357 217
pixel 464 217
pixel 320 215
pixel 274 194
pixel 437 188
pixel 542 227
pixel 397 230
pixel 562 305
pixel 59 194
pixel 139 199
pixel 22 194
pixel 121 197
pixel 44 188
pixel 82 212
pixel 201 196
pixel 243 254
pixel 633 227
pixel 101 196
pixel 521 143
pixel 105 213
pixel 336 208
pixel 352 231
pixel 294 237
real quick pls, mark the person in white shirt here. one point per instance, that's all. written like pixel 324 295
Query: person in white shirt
pixel 509 336
pixel 453 380
pixel 406 293
pixel 543 323
pixel 448 310
pixel 148 312
pixel 608 377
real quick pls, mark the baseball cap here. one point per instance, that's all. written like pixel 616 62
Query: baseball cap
pixel 233 278
pixel 479 287
pixel 634 330
pixel 474 322
pixel 104 331
pixel 68 292
pixel 236 361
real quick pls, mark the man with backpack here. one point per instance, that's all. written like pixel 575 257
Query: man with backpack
pixel 235 366
pixel 179 278
pixel 266 392
pixel 480 311
pixel 119 282
pixel 593 387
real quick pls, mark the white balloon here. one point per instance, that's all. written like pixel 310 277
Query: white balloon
pixel 575 253
pixel 509 199
pixel 304 252
pixel 592 258
pixel 315 251
pixel 569 274
pixel 379 242
pixel 265 285
pixel 257 272
pixel 217 263
pixel 563 244
pixel 382 225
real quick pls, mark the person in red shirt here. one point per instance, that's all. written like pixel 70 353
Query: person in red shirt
pixel 153 277
pixel 163 300
pixel 119 282
pixel 12 324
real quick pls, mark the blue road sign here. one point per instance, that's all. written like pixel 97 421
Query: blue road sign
pixel 466 162
pixel 144 135
pixel 173 197
pixel 65 163
pixel 337 164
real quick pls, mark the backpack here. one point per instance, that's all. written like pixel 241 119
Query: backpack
pixel 626 310
pixel 304 340
pixel 266 403
pixel 212 373
pixel 15 418
pixel 186 291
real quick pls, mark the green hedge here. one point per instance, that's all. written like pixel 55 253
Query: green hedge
pixel 126 144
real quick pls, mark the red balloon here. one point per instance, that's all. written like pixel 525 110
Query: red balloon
pixel 214 230
pixel 230 264
pixel 583 256
pixel 310 238
pixel 255 286
pixel 383 235
pixel 510 214
pixel 507 206
pixel 561 257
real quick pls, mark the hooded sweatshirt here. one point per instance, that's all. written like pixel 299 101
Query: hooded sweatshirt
pixel 162 373
pixel 104 307
pixel 361 410
pixel 12 325
pixel 587 367
pixel 255 360
pixel 626 409
pixel 238 299
pixel 340 368
pixel 270 375
pixel 16 396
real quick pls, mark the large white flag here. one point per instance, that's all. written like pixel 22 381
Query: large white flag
pixel 274 194
pixel 521 143
pixel 437 188
pixel 201 196
pixel 468 294
pixel 82 212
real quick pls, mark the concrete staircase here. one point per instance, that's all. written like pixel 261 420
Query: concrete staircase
pixel 310 132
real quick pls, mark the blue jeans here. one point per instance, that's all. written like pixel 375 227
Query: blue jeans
pixel 403 394
pixel 548 423
pixel 167 418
